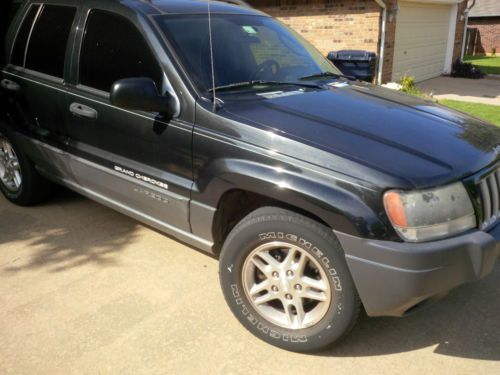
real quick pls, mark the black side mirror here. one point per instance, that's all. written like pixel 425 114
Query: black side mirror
pixel 141 94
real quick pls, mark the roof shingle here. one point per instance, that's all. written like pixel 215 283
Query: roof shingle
pixel 485 8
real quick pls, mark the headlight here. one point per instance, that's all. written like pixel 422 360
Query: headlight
pixel 430 214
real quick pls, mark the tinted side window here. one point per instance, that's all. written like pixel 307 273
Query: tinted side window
pixel 48 41
pixel 14 8
pixel 17 57
pixel 114 49
pixel 8 11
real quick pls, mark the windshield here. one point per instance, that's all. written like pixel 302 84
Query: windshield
pixel 246 49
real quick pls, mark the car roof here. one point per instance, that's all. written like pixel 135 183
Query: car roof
pixel 155 7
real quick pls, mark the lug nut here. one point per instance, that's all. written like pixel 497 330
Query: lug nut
pixel 289 273
pixel 274 288
pixel 275 274
pixel 288 296
pixel 298 287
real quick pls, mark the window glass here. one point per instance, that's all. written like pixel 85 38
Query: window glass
pixel 114 49
pixel 245 48
pixel 269 46
pixel 17 57
pixel 14 8
pixel 48 41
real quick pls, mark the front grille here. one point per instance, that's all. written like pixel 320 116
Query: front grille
pixel 490 198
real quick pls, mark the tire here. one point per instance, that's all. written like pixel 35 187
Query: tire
pixel 27 187
pixel 308 261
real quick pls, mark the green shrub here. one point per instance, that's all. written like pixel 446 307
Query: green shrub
pixel 408 85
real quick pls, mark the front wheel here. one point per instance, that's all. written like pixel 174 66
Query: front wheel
pixel 285 278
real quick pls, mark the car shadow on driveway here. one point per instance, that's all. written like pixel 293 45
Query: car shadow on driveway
pixel 464 324
pixel 65 232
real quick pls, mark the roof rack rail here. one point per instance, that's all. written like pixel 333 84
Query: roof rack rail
pixel 241 3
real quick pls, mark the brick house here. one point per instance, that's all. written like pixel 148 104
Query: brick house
pixel 422 37
pixel 484 28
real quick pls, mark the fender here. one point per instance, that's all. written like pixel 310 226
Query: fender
pixel 345 207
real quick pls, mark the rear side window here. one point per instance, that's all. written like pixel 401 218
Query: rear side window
pixel 19 49
pixel 49 38
pixel 112 49
pixel 8 11
pixel 14 8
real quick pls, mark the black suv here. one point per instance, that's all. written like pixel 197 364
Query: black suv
pixel 319 194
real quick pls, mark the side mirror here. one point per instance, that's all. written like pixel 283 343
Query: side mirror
pixel 140 94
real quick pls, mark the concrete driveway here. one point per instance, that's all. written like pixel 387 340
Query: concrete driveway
pixel 485 90
pixel 86 290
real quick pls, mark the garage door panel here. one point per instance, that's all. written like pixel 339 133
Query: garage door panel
pixel 427 53
pixel 430 32
pixel 421 40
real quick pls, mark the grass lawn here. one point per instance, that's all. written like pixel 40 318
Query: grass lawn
pixel 486 64
pixel 490 113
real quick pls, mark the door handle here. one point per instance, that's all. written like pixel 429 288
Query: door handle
pixel 7 84
pixel 81 110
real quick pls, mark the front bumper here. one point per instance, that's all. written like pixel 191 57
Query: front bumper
pixel 393 278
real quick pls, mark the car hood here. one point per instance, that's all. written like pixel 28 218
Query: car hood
pixel 413 139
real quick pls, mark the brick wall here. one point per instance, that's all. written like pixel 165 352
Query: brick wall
pixel 390 38
pixel 459 31
pixel 489 34
pixel 329 24
pixel 345 24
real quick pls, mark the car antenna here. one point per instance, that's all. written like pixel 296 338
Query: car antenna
pixel 212 63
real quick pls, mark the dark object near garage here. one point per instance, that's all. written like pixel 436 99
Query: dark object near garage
pixel 355 63
pixel 465 70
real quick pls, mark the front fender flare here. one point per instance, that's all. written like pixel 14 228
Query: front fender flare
pixel 341 205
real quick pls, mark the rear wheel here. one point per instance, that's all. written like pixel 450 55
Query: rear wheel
pixel 285 278
pixel 20 183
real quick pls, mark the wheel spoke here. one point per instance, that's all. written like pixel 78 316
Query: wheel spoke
pixel 301 264
pixel 314 284
pixel 264 298
pixel 299 308
pixel 260 287
pixel 264 268
pixel 9 151
pixel 269 259
pixel 317 296
pixel 17 178
pixel 290 316
pixel 290 256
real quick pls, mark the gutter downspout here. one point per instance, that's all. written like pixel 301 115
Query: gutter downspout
pixel 382 41
pixel 466 16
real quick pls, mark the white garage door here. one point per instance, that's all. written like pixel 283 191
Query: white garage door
pixel 421 40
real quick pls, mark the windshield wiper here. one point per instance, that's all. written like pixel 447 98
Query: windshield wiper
pixel 261 82
pixel 326 74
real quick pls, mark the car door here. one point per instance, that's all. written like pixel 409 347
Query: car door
pixel 139 161
pixel 34 79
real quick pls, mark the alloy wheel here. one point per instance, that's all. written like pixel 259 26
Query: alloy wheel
pixel 10 169
pixel 286 285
